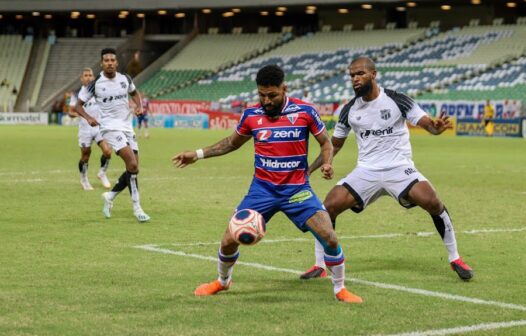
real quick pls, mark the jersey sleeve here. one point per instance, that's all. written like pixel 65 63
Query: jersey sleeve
pixel 86 92
pixel 131 85
pixel 415 113
pixel 343 128
pixel 316 125
pixel 408 107
pixel 243 127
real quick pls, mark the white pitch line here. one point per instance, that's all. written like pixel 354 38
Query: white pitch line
pixel 446 296
pixel 378 236
pixel 458 330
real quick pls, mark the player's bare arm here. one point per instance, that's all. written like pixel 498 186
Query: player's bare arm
pixel 437 126
pixel 80 110
pixel 71 112
pixel 326 155
pixel 337 144
pixel 222 147
pixel 136 97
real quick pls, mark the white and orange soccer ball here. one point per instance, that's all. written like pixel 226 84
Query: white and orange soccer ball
pixel 247 227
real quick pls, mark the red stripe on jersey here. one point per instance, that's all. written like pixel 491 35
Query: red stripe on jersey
pixel 283 149
pixel 290 177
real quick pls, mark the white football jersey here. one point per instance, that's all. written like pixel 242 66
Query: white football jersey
pixel 90 107
pixel 380 128
pixel 111 95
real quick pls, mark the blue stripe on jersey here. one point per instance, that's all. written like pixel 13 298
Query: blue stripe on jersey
pixel 282 163
pixel 280 134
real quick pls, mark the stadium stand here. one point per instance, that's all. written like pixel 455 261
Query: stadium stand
pixel 506 81
pixel 14 56
pixel 303 59
pixel 206 54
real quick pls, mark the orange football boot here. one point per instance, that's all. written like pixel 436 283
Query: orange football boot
pixel 210 288
pixel 346 296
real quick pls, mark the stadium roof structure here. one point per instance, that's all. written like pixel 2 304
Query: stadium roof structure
pixel 66 5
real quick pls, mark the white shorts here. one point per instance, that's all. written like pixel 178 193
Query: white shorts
pixel 88 135
pixel 368 185
pixel 120 139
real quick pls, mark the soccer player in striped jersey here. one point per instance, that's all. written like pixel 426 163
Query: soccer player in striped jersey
pixel 385 167
pixel 280 127
pixel 111 90
pixel 88 134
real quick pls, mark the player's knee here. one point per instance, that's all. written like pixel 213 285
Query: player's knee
pixel 106 152
pixel 332 208
pixel 332 240
pixel 433 205
pixel 133 167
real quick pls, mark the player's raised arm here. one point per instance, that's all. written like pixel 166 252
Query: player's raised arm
pixel 437 126
pixel 222 147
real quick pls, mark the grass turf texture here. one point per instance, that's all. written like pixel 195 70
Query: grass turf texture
pixel 65 270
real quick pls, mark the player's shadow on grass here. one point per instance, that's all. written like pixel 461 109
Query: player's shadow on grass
pixel 281 290
pixel 414 265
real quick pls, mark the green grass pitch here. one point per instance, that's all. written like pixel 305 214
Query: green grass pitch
pixel 65 270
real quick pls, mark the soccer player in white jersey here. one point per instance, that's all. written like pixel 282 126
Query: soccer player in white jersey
pixel 88 134
pixel 110 90
pixel 385 166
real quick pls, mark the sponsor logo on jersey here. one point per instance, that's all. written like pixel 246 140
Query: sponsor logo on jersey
pixel 264 135
pixel 292 117
pixel 367 133
pixel 385 114
pixel 112 98
pixel 300 197
pixel 269 163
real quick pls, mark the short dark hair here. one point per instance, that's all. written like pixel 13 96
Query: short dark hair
pixel 107 51
pixel 270 75
pixel 369 63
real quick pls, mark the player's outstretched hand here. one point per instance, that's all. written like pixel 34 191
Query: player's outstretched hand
pixel 326 171
pixel 183 159
pixel 93 122
pixel 442 123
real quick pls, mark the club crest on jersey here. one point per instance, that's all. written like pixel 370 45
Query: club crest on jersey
pixel 292 117
pixel 264 135
pixel 385 114
pixel 123 85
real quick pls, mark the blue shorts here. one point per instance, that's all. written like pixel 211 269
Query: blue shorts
pixel 142 118
pixel 298 202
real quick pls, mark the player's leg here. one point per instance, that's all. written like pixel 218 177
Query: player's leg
pixel 146 133
pixel 424 195
pixel 85 153
pixel 320 225
pixel 337 201
pixel 104 161
pixel 345 195
pixel 258 199
pixel 131 160
pixel 227 257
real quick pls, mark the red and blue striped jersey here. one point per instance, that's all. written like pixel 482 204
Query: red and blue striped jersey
pixel 281 144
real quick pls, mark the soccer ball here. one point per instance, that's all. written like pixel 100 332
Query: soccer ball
pixel 247 227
